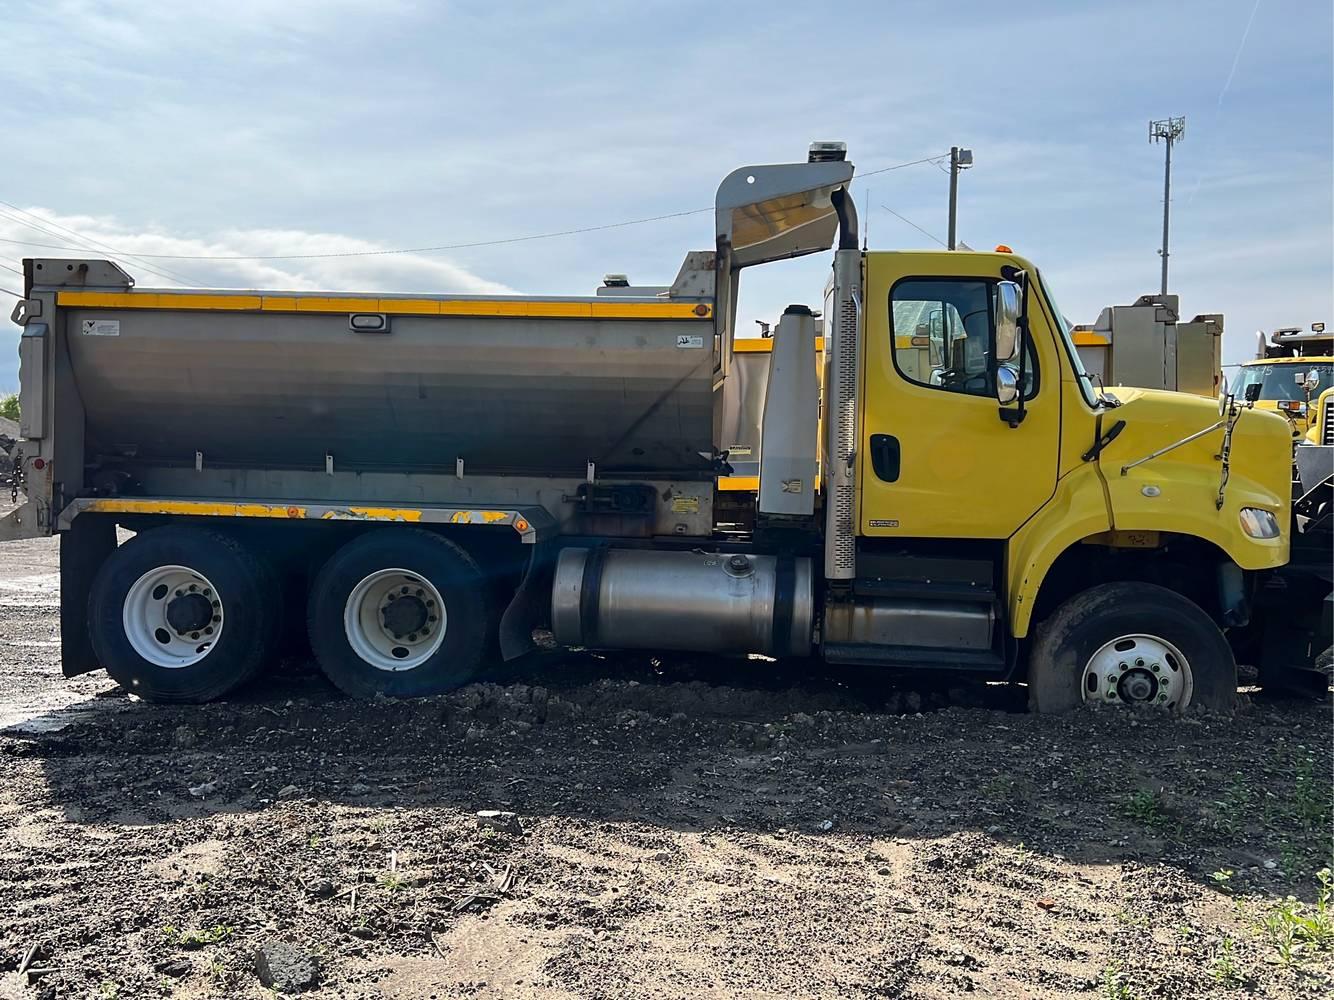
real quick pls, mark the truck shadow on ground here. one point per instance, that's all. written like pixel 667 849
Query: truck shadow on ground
pixel 700 746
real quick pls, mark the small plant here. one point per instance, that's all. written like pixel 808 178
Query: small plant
pixel 1223 879
pixel 313 841
pixel 1131 920
pixel 109 990
pixel 392 882
pixel 1224 966
pixel 216 970
pixel 1144 807
pixel 1116 984
pixel 1310 802
pixel 1294 928
pixel 197 938
pixel 379 825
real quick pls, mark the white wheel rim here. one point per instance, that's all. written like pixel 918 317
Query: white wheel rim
pixel 395 619
pixel 1138 670
pixel 173 616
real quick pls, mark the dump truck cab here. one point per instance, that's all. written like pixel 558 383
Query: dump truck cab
pixel 936 484
pixel 1291 370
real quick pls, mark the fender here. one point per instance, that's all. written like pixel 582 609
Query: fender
pixel 1077 510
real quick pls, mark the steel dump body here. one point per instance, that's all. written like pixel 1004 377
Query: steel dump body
pixel 626 385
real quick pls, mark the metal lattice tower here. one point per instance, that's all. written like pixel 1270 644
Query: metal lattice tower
pixel 1169 130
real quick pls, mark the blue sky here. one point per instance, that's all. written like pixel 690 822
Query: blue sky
pixel 309 126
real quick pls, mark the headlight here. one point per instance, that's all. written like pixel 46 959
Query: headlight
pixel 1259 523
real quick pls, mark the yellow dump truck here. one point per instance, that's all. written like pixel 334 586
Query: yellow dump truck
pixel 1291 369
pixel 416 480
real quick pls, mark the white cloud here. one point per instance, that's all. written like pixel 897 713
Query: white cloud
pixel 105 236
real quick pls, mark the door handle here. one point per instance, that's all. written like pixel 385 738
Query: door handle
pixel 885 457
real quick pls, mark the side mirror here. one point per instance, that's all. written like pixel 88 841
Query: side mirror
pixel 1007 386
pixel 1253 392
pixel 1312 381
pixel 1224 391
pixel 1009 301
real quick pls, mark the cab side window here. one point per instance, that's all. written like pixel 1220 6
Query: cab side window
pixel 944 335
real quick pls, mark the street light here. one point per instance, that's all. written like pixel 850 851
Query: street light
pixel 1169 130
pixel 960 159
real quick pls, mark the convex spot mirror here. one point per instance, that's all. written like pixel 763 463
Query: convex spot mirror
pixel 1007 386
pixel 1311 381
pixel 1008 303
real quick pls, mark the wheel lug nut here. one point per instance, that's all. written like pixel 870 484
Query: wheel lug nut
pixel 180 593
pixel 194 635
pixel 404 590
pixel 193 588
pixel 217 618
pixel 1155 668
pixel 208 629
pixel 430 618
pixel 412 637
pixel 1124 666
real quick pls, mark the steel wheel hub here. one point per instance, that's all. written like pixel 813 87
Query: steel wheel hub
pixel 172 616
pixel 1138 670
pixel 394 619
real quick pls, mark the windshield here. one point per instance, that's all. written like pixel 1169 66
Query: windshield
pixel 1279 382
pixel 1081 376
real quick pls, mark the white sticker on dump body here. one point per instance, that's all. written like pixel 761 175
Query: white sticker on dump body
pixel 686 340
pixel 101 328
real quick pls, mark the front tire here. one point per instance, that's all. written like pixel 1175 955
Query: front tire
pixel 400 612
pixel 182 614
pixel 1121 644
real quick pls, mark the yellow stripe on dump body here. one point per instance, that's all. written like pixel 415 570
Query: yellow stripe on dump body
pixel 531 309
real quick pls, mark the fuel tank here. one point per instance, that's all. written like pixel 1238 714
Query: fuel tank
pixel 509 385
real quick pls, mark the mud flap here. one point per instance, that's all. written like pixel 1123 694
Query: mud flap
pixel 83 548
pixel 530 606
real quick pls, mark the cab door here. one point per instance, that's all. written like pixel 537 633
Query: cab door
pixel 936 459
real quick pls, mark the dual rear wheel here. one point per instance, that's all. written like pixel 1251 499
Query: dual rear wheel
pixel 186 614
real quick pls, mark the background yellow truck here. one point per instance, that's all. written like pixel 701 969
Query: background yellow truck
pixel 415 480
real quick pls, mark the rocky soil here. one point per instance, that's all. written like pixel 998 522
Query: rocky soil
pixel 658 830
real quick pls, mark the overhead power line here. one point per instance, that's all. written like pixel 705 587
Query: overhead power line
pixel 910 222
pixel 49 228
pixel 442 247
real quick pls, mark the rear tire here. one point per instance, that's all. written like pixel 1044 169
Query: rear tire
pixel 399 612
pixel 182 614
pixel 1130 643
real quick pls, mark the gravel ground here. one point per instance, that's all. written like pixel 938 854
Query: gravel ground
pixel 693 829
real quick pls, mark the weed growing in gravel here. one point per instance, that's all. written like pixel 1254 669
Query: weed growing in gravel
pixel 392 882
pixel 109 990
pixel 1116 984
pixel 1295 928
pixel 1146 808
pixel 197 938
pixel 1310 802
pixel 1224 966
pixel 1223 879
pixel 313 841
